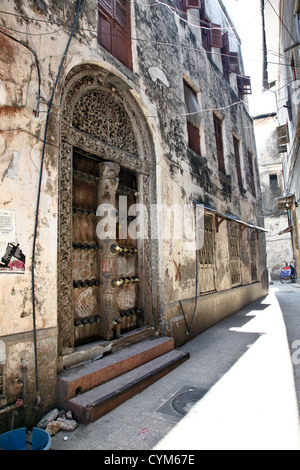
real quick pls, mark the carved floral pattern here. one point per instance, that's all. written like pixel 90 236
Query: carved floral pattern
pixel 111 126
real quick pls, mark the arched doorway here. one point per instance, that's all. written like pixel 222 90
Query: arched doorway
pixel 107 285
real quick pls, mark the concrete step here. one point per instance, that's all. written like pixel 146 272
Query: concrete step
pixel 80 379
pixel 93 404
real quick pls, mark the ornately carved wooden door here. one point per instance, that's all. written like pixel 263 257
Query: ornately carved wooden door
pixel 106 301
pixel 127 260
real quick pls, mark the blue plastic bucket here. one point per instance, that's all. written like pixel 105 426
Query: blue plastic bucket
pixel 16 440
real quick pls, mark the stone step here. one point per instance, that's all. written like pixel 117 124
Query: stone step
pixel 93 404
pixel 80 379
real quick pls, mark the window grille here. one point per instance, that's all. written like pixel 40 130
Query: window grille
pixel 206 258
pixel 235 254
pixel 253 254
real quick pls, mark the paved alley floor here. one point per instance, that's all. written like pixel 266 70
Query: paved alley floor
pixel 245 372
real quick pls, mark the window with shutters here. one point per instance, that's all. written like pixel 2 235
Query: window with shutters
pixel 194 4
pixel 244 86
pixel 193 118
pixel 114 32
pixel 210 33
pixel 219 143
pixel 183 5
pixel 236 145
pixel 234 63
pixel 231 64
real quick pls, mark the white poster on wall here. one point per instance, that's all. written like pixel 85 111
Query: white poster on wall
pixel 12 259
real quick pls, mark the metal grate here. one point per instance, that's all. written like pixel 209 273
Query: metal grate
pixel 206 272
pixel 234 254
pixel 182 401
pixel 253 254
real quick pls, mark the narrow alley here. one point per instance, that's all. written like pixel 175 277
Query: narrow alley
pixel 241 384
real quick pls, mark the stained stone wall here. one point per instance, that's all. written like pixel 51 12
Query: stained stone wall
pixel 137 120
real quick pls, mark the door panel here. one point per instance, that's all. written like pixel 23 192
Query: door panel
pixel 93 272
pixel 84 266
pixel 127 261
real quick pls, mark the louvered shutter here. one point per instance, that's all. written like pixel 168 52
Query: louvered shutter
pixel 122 13
pixel 247 86
pixel 216 36
pixel 114 29
pixel 122 40
pixel 233 60
pixel 194 4
pixel 107 6
pixel 105 24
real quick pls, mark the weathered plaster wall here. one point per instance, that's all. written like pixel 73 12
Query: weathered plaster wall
pixel 157 85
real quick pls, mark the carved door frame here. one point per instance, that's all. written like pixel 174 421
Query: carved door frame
pixel 81 81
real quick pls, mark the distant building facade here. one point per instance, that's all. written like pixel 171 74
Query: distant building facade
pixel 281 75
pixel 278 244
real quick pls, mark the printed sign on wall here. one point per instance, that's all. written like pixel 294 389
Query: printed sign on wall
pixel 12 259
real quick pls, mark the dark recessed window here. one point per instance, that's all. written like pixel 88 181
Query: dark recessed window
pixel 193 118
pixel 219 143
pixel 236 146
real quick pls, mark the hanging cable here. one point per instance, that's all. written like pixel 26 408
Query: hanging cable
pixel 140 39
pixel 39 194
pixel 36 113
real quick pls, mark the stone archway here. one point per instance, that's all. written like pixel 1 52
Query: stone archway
pixel 106 124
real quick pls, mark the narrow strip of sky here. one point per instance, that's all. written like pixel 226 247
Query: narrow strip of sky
pixel 246 16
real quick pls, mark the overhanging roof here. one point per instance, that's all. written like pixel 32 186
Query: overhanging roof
pixel 287 230
pixel 232 218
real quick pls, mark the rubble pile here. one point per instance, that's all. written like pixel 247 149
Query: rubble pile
pixel 56 420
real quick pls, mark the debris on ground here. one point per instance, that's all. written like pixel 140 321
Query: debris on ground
pixel 56 421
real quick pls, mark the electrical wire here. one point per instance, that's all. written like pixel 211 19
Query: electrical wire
pixel 37 67
pixel 139 39
pixel 281 21
pixel 39 191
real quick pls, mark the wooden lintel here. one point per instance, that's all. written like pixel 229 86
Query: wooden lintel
pixel 218 220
